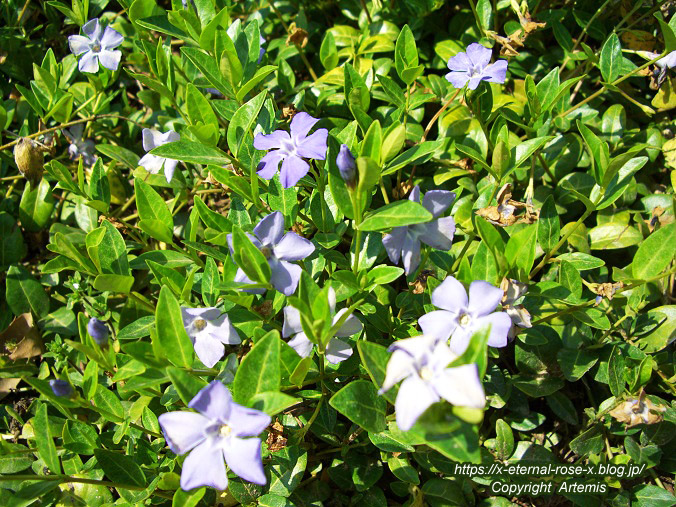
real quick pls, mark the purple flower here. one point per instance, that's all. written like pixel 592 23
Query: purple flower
pixel 291 149
pixel 209 330
pixel 346 165
pixel 152 163
pixel 336 350
pixel 98 330
pixel 97 46
pixel 61 388
pixel 214 434
pixel 459 318
pixel 404 242
pixel 279 249
pixel 80 147
pixel 472 67
pixel 422 363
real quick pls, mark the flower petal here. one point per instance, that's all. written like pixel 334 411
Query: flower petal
pixel 479 55
pixel 474 82
pixel 352 324
pixel 496 72
pixel 213 401
pixel 437 201
pixel 460 340
pixel 416 347
pixel 243 456
pixel 301 344
pixel 277 139
pixel 240 277
pixel 337 351
pixel 459 63
pixel 413 398
pixel 439 324
pixel 208 349
pixel 111 38
pixel 269 164
pixel 500 324
pixel 314 146
pixel 169 168
pixel 461 386
pixel 293 169
pixel 415 194
pixel 285 276
pixel 438 233
pixel 292 323
pixel 457 79
pixel 301 125
pixel 222 330
pixel 204 466
pixel 483 298
pixel 151 163
pixel 89 63
pixel 410 253
pixel 149 139
pixel 165 137
pixel 394 242
pixel 293 247
pixel 450 295
pixel 247 422
pixel 78 44
pixel 270 229
pixel 183 430
pixel 190 314
pixel 400 366
pixel 441 357
pixel 92 29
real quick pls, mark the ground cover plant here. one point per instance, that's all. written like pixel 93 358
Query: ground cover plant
pixel 341 253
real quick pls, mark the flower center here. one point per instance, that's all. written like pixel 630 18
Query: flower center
pixel 96 47
pixel 425 373
pixel 199 324
pixel 474 71
pixel 224 431
pixel 464 319
pixel 266 251
pixel 289 147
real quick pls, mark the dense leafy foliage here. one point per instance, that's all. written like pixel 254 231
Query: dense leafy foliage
pixel 281 196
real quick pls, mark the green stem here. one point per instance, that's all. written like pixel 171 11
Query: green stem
pixel 356 206
pixel 465 247
pixel 476 18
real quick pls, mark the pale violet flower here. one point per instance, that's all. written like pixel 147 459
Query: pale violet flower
pixel 280 250
pixel 422 363
pixel 213 434
pixel 346 165
pixel 336 350
pixel 97 47
pixel 471 67
pixel 152 163
pixel 291 149
pixel 79 147
pixel 460 317
pixel 404 242
pixel 208 330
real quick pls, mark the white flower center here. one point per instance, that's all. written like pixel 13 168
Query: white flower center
pixel 464 319
pixel 426 373
pixel 224 431
pixel 475 71
pixel 199 324
pixel 96 47
pixel 266 251
pixel 289 147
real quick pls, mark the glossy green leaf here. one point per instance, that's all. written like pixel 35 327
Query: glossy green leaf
pixel 171 335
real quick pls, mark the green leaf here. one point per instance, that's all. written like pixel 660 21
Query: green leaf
pixel 381 275
pixel 198 107
pixel 504 440
pixel 186 385
pixel 599 151
pixel 151 207
pixel 272 402
pixel 405 54
pixel 575 362
pixel 418 154
pixel 259 370
pixel 484 265
pixel 328 52
pixel 209 67
pixel 44 441
pixel 520 250
pixel 108 402
pixel 114 283
pixel 107 250
pixel 230 179
pixel 99 187
pixel 284 200
pixel 581 261
pixel 613 235
pixel 36 206
pixel 395 214
pixel 655 253
pixel 249 258
pixel 122 155
pixel 171 335
pixel 647 495
pixel 24 293
pixel 244 121
pixel 616 367
pixel 360 403
pixel 372 143
pixel 120 468
pixel 192 152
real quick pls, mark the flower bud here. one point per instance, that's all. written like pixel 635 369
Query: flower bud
pixel 61 388
pixel 346 165
pixel 30 160
pixel 98 330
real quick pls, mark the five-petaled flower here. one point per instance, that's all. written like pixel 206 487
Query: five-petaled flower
pixel 422 363
pixel 213 434
pixel 79 147
pixel 97 46
pixel 152 163
pixel 460 318
pixel 279 249
pixel 404 242
pixel 336 350
pixel 291 149
pixel 208 330
pixel 472 67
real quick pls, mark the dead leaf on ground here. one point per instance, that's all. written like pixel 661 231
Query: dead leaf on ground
pixel 21 340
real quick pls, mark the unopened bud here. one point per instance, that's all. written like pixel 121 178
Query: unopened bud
pixel 30 160
pixel 61 388
pixel 98 330
pixel 346 165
